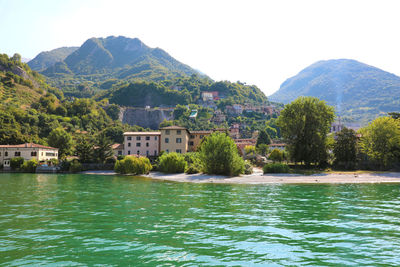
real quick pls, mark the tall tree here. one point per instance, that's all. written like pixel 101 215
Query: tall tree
pixel 103 148
pixel 84 149
pixel 304 124
pixel 263 138
pixel 380 140
pixel 345 149
pixel 62 140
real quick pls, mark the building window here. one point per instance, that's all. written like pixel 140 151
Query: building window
pixel 166 140
pixel 129 152
pixel 6 154
pixel 166 131
pixel 50 154
pixel 155 137
pixel 137 144
pixel 147 153
pixel 178 140
pixel 147 138
pixel 129 144
pixel 129 138
pixel 138 152
pixel 119 152
pixel 191 143
pixel 192 136
pixel 137 138
pixel 147 144
pixel 33 154
pixel 167 150
pixel 179 151
pixel 42 154
pixel 0 153
pixel 155 152
pixel 201 136
pixel 178 132
pixel 17 153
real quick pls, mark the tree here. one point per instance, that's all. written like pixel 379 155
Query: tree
pixel 304 124
pixel 262 149
pixel 113 111
pixel 345 149
pixel 263 138
pixel 62 140
pixel 219 155
pixel 103 148
pixel 394 115
pixel 133 165
pixel 380 141
pixel 84 149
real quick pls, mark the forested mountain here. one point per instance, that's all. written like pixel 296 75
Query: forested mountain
pixel 357 91
pixel 47 59
pixel 185 90
pixel 100 59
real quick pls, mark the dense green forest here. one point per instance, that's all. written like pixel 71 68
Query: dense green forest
pixel 30 109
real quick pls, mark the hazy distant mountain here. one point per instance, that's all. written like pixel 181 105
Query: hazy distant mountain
pixel 357 91
pixel 46 59
pixel 121 58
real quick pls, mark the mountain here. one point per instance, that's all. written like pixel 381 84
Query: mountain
pixel 100 59
pixel 46 59
pixel 359 92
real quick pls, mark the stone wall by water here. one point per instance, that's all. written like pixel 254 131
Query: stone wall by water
pixel 146 117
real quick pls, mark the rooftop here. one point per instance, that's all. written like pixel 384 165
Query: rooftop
pixel 142 133
pixel 27 145
pixel 200 132
pixel 117 146
pixel 173 128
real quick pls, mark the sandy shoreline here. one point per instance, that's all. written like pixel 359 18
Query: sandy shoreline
pixel 259 178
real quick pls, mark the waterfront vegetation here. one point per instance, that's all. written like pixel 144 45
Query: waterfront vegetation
pixel 133 165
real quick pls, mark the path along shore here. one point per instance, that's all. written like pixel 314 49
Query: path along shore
pixel 258 178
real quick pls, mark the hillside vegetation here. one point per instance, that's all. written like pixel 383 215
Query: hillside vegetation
pixel 49 58
pixel 99 59
pixel 358 91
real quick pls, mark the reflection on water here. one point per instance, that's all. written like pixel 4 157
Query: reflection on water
pixel 118 220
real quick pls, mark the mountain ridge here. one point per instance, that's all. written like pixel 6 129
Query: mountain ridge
pixel 358 91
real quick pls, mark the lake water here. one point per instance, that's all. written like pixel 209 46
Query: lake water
pixel 68 220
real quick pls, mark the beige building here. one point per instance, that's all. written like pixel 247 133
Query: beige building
pixel 142 143
pixel 27 151
pixel 195 139
pixel 174 139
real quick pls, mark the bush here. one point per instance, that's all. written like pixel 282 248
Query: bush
pixel 172 163
pixel 248 167
pixel 133 165
pixel 276 155
pixel 16 163
pixel 30 165
pixel 191 169
pixel 276 168
pixel 75 166
pixel 219 155
pixel 110 160
pixel 54 162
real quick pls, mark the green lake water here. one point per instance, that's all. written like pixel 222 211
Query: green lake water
pixel 80 220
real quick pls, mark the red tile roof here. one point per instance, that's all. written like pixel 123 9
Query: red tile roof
pixel 27 145
pixel 117 146
pixel 173 128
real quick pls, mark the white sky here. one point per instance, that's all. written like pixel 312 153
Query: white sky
pixel 257 42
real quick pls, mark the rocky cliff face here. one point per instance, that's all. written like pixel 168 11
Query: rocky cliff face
pixel 147 118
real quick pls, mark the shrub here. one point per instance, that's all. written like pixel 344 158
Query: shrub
pixel 219 155
pixel 276 168
pixel 248 167
pixel 30 165
pixel 54 162
pixel 191 169
pixel 75 166
pixel 133 165
pixel 16 163
pixel 110 160
pixel 276 155
pixel 172 163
